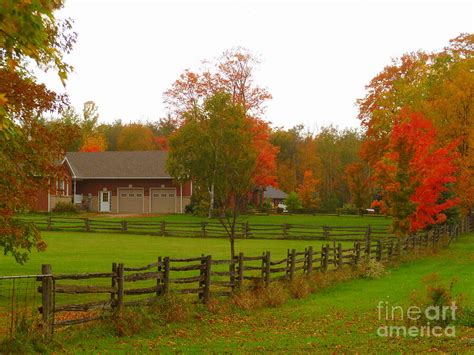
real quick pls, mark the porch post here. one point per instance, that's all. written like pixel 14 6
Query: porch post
pixel 181 196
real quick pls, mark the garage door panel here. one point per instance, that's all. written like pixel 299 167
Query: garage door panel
pixel 163 200
pixel 130 201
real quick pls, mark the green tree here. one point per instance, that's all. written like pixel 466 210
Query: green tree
pixel 214 148
pixel 293 202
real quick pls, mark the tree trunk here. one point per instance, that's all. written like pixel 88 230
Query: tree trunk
pixel 211 201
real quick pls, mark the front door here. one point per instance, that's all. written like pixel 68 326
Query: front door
pixel 104 198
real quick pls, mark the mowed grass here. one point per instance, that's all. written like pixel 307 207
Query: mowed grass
pixel 318 220
pixel 339 319
pixel 76 252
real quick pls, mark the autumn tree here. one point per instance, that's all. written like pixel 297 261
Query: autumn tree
pixel 214 148
pixel 135 136
pixel 357 178
pixel 94 143
pixel 441 86
pixel 414 174
pixel 29 33
pixel 233 72
pixel 308 191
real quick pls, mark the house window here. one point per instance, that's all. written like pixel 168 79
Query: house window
pixel 139 195
pixel 171 195
pixel 123 195
pixel 61 187
pixel 163 195
pixel 131 195
pixel 156 195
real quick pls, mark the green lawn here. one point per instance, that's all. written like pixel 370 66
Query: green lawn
pixel 76 252
pixel 339 319
pixel 320 220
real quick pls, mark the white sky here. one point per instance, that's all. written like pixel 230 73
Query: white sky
pixel 316 57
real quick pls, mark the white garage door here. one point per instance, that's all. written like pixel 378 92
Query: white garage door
pixel 130 200
pixel 163 200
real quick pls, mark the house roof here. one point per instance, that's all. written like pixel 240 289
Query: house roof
pixel 271 192
pixel 102 165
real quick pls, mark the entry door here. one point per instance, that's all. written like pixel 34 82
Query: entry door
pixel 104 197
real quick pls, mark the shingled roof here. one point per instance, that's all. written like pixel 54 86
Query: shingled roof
pixel 271 192
pixel 149 164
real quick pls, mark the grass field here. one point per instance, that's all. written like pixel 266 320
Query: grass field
pixel 320 220
pixel 340 319
pixel 74 252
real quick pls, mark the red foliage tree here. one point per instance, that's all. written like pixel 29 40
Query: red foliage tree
pixel 266 165
pixel 414 174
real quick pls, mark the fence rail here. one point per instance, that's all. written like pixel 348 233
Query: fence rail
pixel 68 299
pixel 205 276
pixel 207 229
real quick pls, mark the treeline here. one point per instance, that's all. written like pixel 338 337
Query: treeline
pixel 427 95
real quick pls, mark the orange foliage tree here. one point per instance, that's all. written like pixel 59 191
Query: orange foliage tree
pixel 414 175
pixel 135 136
pixel 307 191
pixel 441 86
pixel 94 143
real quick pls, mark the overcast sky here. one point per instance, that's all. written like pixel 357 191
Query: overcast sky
pixel 316 57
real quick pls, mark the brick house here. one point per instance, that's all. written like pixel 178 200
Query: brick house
pixel 125 182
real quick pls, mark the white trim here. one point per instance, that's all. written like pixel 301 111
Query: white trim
pixel 130 188
pixel 70 166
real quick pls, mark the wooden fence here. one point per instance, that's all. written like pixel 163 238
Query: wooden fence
pixel 207 229
pixel 205 276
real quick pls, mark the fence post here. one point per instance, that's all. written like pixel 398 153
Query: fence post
pixel 166 274
pixel 123 225
pixel 309 260
pixel 357 253
pixel 49 223
pixel 339 255
pixel 379 250
pixel 324 257
pixel 292 265
pixel 159 279
pixel 162 228
pixel 240 277
pixel 326 232
pixel 285 230
pixel 267 269
pixel 390 250
pixel 207 279
pixel 87 224
pixel 203 229
pixel 113 282
pixel 47 299
pixel 120 286
pixel 368 240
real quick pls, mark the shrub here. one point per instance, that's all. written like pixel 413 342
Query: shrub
pixel 172 309
pixel 246 300
pixel 372 269
pixel 439 295
pixel 274 295
pixel 299 287
pixel 293 202
pixel 65 207
pixel 28 337
pixel 132 321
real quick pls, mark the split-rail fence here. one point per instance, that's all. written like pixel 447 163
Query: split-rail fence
pixel 207 277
